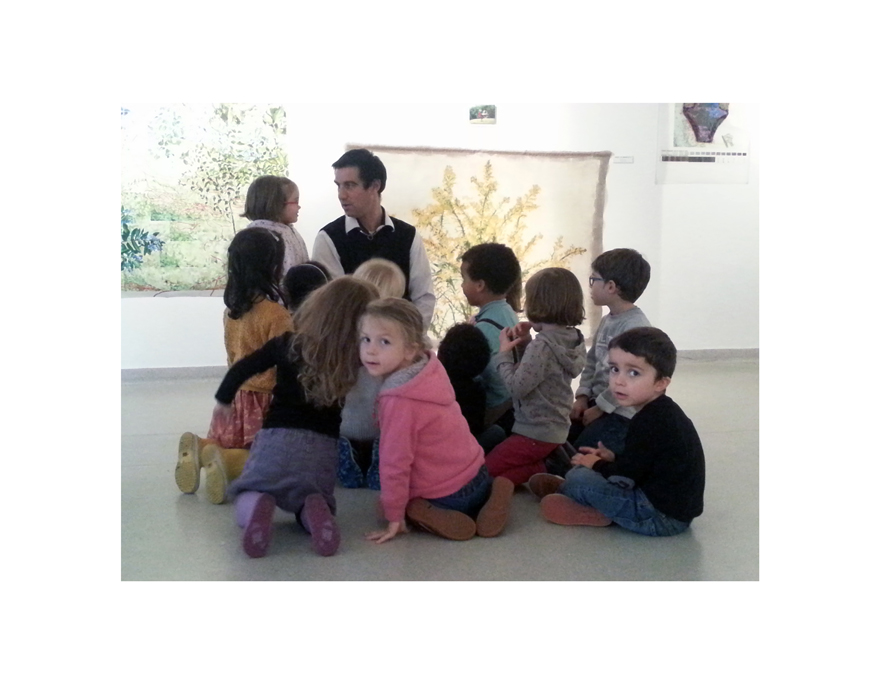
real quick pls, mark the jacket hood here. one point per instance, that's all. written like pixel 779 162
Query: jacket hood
pixel 567 345
pixel 425 380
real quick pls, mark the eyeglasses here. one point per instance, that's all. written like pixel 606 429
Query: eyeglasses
pixel 593 279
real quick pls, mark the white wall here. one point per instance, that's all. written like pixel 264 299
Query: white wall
pixel 701 240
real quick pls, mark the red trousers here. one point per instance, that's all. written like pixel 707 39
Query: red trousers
pixel 518 458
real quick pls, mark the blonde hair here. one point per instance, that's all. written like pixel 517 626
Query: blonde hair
pixel 384 274
pixel 554 295
pixel 405 315
pixel 325 343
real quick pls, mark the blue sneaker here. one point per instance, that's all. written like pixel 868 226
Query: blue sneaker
pixel 348 472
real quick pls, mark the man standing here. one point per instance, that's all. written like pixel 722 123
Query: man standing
pixel 366 231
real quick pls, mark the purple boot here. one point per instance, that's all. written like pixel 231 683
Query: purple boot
pixel 254 512
pixel 320 523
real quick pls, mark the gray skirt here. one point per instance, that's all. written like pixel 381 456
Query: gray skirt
pixel 290 464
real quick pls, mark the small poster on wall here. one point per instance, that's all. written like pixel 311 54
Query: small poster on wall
pixel 482 114
pixel 702 142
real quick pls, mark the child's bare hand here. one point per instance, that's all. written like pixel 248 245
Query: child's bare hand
pixel 392 531
pixel 523 330
pixel 589 456
pixel 506 340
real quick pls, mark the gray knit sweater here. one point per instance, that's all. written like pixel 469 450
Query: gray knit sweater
pixel 594 379
pixel 540 384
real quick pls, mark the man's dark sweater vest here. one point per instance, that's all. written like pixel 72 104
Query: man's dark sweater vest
pixel 356 247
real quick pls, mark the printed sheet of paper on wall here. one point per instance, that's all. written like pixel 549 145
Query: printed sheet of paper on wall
pixel 703 142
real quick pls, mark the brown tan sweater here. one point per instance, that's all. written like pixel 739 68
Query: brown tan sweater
pixel 250 332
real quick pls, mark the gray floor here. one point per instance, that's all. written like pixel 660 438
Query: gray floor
pixel 167 535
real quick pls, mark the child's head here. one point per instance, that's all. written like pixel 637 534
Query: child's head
pixel 254 261
pixel 627 269
pixel 303 279
pixel 272 198
pixel 464 351
pixel 384 274
pixel 642 361
pixel 554 295
pixel 391 336
pixel 325 343
pixel 489 271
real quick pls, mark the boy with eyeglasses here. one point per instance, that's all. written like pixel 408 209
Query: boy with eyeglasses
pixel 618 279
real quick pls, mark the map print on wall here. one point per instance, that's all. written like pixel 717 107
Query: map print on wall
pixel 185 171
pixel 702 142
pixel 547 207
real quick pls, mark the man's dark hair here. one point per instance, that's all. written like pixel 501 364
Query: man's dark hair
pixel 370 167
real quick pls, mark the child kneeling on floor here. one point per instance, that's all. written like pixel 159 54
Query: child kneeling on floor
pixel 655 485
pixel 292 462
pixel 432 469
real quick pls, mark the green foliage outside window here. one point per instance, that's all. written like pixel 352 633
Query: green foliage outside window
pixel 136 243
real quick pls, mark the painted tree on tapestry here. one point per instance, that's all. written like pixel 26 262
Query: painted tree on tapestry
pixel 186 170
pixel 451 225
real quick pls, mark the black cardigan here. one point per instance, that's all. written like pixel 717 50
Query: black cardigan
pixel 663 457
pixel 289 407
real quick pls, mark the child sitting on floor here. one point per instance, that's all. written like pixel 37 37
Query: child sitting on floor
pixel 432 470
pixel 464 353
pixel 654 486
pixel 540 384
pixel 292 463
pixel 359 432
pixel 619 278
pixel 254 314
pixel 491 279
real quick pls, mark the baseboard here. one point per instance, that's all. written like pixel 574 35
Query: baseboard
pixel 186 373
pixel 718 354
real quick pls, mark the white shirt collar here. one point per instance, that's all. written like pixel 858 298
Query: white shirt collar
pixel 351 222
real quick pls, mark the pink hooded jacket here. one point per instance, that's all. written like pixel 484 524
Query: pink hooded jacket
pixel 425 447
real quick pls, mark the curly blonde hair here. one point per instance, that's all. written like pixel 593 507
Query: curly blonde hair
pixel 325 345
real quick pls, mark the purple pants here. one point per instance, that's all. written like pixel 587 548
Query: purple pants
pixel 290 464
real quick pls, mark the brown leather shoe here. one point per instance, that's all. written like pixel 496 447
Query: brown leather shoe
pixel 542 484
pixel 440 521
pixel 561 510
pixel 493 515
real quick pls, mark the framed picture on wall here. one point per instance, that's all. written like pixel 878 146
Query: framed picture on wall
pixel 482 114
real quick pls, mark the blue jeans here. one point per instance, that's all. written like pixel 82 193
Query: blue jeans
pixel 609 429
pixel 470 498
pixel 629 508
